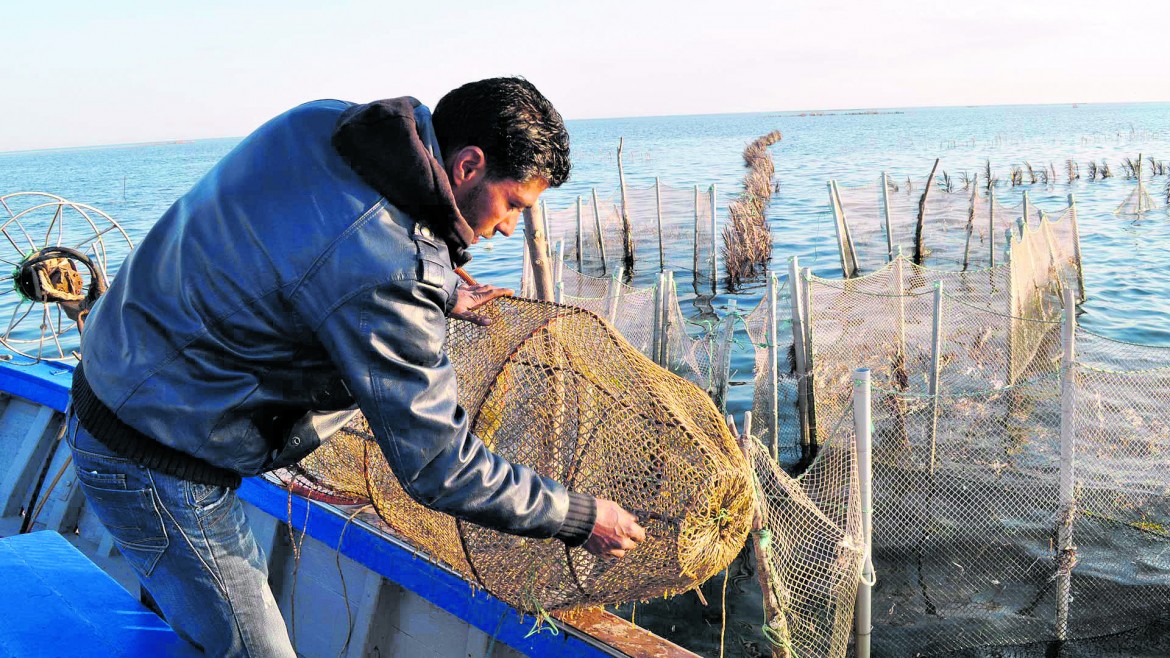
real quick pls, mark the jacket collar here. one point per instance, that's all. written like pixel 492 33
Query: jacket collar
pixel 391 144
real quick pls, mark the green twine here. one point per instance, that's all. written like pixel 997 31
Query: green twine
pixel 543 621
pixel 776 639
pixel 764 538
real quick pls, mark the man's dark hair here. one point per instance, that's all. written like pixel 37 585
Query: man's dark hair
pixel 518 129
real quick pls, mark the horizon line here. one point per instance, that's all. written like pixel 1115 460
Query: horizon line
pixel 799 112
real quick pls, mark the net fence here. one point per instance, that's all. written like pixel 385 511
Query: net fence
pixel 810 546
pixel 963 229
pixel 967 411
pixel 670 230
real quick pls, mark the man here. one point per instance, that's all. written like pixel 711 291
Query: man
pixel 310 270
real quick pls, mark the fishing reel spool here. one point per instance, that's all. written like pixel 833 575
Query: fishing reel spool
pixel 60 253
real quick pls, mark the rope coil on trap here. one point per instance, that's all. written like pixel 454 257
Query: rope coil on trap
pixel 50 275
pixel 557 389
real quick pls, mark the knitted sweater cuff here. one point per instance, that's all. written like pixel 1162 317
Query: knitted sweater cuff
pixel 579 520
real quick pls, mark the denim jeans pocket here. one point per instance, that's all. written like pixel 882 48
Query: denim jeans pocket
pixel 130 515
pixel 208 499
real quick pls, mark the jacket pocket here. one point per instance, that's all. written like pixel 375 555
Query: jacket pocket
pixel 435 269
pixel 131 517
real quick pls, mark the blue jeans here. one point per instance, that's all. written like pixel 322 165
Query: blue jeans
pixel 191 547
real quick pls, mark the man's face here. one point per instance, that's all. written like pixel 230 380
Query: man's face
pixel 490 205
pixel 493 206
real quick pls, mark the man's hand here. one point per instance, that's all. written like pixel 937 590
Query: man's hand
pixel 615 531
pixel 471 297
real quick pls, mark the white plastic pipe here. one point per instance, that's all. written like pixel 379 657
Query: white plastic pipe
pixel 862 625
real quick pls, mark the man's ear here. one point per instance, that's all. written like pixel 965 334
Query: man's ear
pixel 468 164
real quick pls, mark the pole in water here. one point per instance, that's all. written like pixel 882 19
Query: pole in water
pixel 862 620
pixel 846 269
pixel 615 296
pixel 886 215
pixel 714 251
pixel 1065 551
pixel 658 199
pixel 656 331
pixel 579 204
pixel 919 228
pixel 800 347
pixel 627 232
pixel 669 302
pixel 695 264
pixel 597 225
pixel 559 272
pixel 935 368
pixel 1076 232
pixel 773 365
pixel 991 224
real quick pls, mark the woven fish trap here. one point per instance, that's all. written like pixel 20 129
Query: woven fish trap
pixel 559 390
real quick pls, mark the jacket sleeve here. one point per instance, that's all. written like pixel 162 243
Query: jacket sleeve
pixel 387 340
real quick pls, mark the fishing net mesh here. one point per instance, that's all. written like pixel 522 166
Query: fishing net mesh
pixel 1137 202
pixel 812 546
pixel 967 463
pixel 557 389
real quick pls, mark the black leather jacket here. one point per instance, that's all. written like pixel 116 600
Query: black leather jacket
pixel 282 275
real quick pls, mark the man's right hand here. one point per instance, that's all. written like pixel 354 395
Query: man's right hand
pixel 615 531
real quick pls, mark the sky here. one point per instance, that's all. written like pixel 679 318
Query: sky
pixel 81 73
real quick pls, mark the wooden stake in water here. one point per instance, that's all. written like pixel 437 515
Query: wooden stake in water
pixel 775 620
pixel 1013 310
pixel 724 358
pixel 800 346
pixel 1027 210
pixel 886 216
pixel 991 224
pixel 547 228
pixel 627 234
pixel 919 230
pixel 901 376
pixel 1141 190
pixel 579 205
pixel 935 368
pixel 810 356
pixel 714 250
pixel 862 624
pixel 669 300
pixel 559 273
pixel 850 249
pixel 844 243
pixel 536 242
pixel 773 365
pixel 1076 234
pixel 1065 551
pixel 658 202
pixel 695 264
pixel 597 225
pixel 615 296
pixel 970 228
pixel 656 326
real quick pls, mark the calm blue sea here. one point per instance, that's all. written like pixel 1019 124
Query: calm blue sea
pixel 1127 271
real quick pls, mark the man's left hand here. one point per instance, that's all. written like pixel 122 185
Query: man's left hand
pixel 471 297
